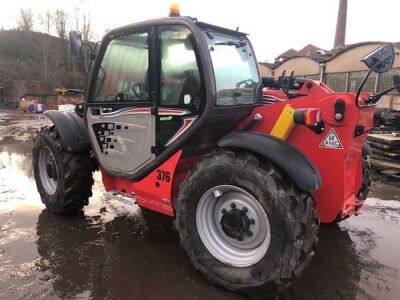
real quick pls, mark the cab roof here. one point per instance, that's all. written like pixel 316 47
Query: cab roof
pixel 212 27
pixel 171 20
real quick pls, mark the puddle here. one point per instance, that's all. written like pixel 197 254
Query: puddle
pixel 113 251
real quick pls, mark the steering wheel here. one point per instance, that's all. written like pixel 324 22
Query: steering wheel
pixel 139 91
pixel 248 83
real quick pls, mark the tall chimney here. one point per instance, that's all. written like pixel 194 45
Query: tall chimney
pixel 340 35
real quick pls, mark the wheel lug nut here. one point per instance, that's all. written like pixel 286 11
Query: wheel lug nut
pixel 233 205
pixel 252 222
pixel 244 209
pixel 224 211
pixel 250 233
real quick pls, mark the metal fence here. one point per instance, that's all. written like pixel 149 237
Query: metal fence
pixel 312 76
pixel 336 81
pixel 386 80
pixel 355 79
pixel 350 81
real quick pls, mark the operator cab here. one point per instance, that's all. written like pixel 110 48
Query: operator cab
pixel 159 86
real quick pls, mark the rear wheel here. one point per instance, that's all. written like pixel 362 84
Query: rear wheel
pixel 367 180
pixel 244 225
pixel 64 179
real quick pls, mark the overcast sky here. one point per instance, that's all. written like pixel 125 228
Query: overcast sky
pixel 274 26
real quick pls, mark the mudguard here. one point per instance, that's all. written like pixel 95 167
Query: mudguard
pixel 72 130
pixel 303 172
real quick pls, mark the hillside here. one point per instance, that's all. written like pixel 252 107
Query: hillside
pixel 40 57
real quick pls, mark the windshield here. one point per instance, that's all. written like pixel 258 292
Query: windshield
pixel 235 69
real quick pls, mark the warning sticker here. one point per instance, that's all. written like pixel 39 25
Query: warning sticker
pixel 331 141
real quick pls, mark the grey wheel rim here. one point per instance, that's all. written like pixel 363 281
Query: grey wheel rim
pixel 238 246
pixel 45 158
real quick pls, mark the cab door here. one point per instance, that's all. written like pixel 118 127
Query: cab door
pixel 120 118
pixel 181 91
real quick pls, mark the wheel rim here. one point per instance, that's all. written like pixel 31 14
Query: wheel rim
pixel 233 226
pixel 47 170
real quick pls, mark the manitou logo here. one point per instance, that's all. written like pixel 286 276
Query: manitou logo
pixel 331 141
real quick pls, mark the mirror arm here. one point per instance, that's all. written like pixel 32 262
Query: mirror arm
pixel 375 98
pixel 362 85
pixel 91 46
pixel 364 81
pixel 88 44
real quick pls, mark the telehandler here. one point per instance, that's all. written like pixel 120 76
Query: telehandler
pixel 179 121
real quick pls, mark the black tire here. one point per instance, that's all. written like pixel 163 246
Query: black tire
pixel 367 178
pixel 293 221
pixel 74 177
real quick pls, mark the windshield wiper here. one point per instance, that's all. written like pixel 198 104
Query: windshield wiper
pixel 230 43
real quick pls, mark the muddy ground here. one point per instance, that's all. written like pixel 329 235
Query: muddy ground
pixel 115 251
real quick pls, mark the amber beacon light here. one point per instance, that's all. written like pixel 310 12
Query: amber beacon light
pixel 174 10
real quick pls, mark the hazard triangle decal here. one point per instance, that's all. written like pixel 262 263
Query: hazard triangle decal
pixel 331 141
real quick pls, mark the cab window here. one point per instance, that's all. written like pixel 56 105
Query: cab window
pixel 235 69
pixel 123 74
pixel 180 77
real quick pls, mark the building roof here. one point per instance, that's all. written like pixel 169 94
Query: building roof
pixel 320 55
pixel 310 48
pixel 307 50
pixel 268 65
pixel 288 53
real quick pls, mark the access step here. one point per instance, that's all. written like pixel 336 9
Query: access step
pixel 121 197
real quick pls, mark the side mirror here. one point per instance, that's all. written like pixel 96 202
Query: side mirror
pixel 75 42
pixel 380 60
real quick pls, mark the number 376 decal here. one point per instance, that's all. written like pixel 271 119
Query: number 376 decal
pixel 163 176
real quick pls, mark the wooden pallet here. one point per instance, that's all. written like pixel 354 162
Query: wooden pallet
pixel 380 130
pixel 384 158
pixel 391 148
pixel 391 173
pixel 386 139
pixel 385 153
pixel 383 165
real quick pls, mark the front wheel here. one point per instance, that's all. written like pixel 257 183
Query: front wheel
pixel 244 224
pixel 64 179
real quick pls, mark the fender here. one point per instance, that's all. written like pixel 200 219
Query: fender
pixel 303 172
pixel 72 130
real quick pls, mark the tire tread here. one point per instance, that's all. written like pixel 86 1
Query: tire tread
pixel 77 174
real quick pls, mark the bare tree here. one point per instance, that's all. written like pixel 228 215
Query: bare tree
pixel 76 13
pixel 87 32
pixel 25 23
pixel 25 19
pixel 60 19
pixel 46 21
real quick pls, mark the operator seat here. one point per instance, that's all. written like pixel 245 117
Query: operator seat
pixel 189 85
